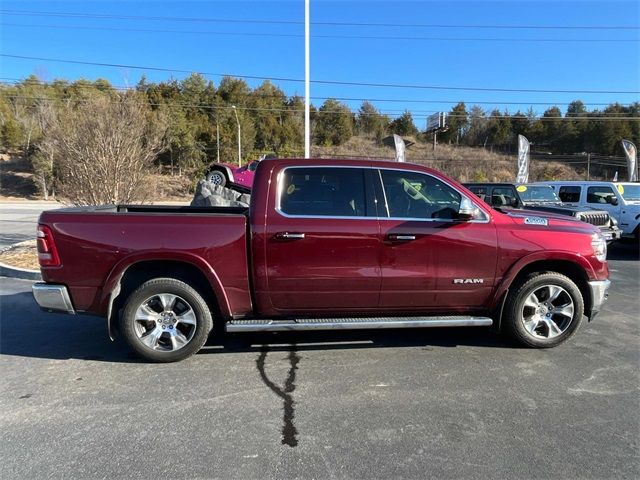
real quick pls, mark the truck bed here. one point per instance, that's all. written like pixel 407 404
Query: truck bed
pixel 95 244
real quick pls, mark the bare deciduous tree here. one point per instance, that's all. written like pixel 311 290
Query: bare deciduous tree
pixel 103 149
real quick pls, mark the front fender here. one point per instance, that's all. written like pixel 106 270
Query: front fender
pixel 546 256
pixel 227 169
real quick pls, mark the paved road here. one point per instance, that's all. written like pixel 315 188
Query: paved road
pixel 18 220
pixel 414 404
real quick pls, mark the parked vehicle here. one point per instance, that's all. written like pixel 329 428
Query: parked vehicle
pixel 542 198
pixel 620 199
pixel 226 174
pixel 325 244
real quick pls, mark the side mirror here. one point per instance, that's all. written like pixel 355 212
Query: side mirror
pixel 467 211
pixel 612 200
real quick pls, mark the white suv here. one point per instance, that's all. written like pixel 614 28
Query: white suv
pixel 620 199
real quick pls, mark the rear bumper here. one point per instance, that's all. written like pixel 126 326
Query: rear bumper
pixel 599 295
pixel 53 297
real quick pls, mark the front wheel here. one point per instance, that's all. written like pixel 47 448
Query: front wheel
pixel 165 320
pixel 544 310
pixel 217 177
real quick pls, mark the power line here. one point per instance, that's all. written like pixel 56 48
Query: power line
pixel 345 37
pixel 328 23
pixel 323 82
pixel 19 82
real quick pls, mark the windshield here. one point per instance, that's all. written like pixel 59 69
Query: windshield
pixel 629 191
pixel 537 193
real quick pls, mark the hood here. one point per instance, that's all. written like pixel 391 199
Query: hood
pixel 548 215
pixel 548 221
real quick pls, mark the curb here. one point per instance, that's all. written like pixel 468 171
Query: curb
pixel 15 272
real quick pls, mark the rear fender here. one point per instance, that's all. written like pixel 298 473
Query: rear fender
pixel 112 285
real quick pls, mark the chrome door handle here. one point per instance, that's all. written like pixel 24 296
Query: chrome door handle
pixel 289 236
pixel 401 238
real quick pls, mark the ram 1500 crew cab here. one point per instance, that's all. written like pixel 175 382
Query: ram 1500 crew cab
pixel 325 244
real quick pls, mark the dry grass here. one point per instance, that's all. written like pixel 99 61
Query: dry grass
pixel 465 164
pixel 21 255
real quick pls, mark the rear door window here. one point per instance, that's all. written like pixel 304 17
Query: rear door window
pixel 481 192
pixel 324 192
pixel 570 194
pixel 503 197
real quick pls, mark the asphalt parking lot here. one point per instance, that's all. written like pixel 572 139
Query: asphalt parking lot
pixel 386 404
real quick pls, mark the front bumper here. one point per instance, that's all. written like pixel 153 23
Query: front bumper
pixel 599 295
pixel 53 297
pixel 611 233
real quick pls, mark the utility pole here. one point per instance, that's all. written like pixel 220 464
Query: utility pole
pixel 307 108
pixel 217 139
pixel 235 110
pixel 588 166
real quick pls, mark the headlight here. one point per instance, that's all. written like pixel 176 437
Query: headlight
pixel 599 245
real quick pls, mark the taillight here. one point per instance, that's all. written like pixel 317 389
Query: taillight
pixel 47 252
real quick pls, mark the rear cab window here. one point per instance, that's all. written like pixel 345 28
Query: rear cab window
pixel 325 192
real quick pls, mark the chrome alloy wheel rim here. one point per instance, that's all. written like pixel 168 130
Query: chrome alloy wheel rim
pixel 165 322
pixel 547 311
pixel 216 178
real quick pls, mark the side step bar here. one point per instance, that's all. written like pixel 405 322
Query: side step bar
pixel 355 323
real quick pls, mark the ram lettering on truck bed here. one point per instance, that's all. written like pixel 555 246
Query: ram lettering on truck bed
pixel 325 244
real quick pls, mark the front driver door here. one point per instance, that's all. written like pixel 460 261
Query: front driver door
pixel 430 260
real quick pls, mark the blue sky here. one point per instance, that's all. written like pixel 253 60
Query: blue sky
pixel 508 58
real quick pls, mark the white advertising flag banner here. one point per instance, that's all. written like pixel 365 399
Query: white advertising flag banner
pixel 400 147
pixel 631 153
pixel 523 160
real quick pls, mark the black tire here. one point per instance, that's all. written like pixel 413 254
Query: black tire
pixel 174 336
pixel 520 318
pixel 217 177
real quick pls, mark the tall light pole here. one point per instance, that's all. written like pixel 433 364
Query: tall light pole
pixel 235 110
pixel 307 111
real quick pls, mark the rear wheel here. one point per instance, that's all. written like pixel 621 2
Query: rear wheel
pixel 217 177
pixel 544 310
pixel 165 320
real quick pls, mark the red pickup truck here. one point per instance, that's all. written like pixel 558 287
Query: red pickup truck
pixel 325 244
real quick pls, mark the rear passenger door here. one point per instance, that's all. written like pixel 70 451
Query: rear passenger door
pixel 322 242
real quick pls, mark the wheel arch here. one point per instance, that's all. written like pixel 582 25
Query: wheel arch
pixel 127 276
pixel 223 168
pixel 576 270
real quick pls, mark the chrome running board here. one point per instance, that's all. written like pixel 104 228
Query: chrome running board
pixel 355 323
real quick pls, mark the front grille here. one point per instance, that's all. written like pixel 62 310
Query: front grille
pixel 596 218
